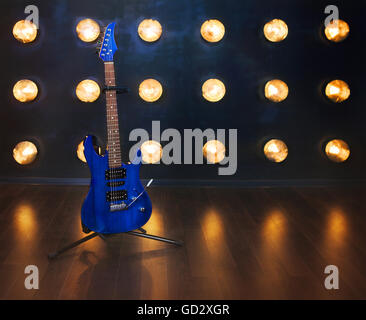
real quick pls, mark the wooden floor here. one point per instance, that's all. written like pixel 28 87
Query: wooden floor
pixel 239 244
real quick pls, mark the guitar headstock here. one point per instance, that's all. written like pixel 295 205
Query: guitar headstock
pixel 108 45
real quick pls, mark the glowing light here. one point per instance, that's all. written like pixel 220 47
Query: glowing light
pixel 214 151
pixel 213 90
pixel 25 31
pixel 152 152
pixel 25 152
pixel 336 227
pixel 25 221
pixel 275 30
pixel 212 30
pixel 88 91
pixel 88 30
pixel 212 225
pixel 150 90
pixel 274 227
pixel 337 91
pixel 337 30
pixel 276 150
pixel 337 150
pixel 276 90
pixel 80 152
pixel 25 91
pixel 150 30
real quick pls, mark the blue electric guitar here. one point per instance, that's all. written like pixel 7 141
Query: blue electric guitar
pixel 117 201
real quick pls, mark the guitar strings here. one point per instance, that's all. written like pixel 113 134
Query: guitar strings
pixel 112 174
pixel 109 94
pixel 113 169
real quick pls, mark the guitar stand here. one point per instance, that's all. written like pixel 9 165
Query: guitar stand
pixel 141 234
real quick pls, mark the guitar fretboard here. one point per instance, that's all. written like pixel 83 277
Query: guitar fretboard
pixel 114 145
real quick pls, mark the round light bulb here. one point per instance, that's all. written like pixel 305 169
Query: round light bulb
pixel 150 30
pixel 275 150
pixel 212 30
pixel 80 152
pixel 25 31
pixel 152 152
pixel 276 90
pixel 88 91
pixel 275 30
pixel 213 90
pixel 337 91
pixel 337 30
pixel 150 90
pixel 214 151
pixel 337 150
pixel 25 152
pixel 25 90
pixel 88 30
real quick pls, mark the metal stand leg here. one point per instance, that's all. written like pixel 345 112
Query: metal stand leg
pixel 142 230
pixel 142 234
pixel 149 236
pixel 54 255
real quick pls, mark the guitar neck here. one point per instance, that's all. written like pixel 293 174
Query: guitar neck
pixel 114 145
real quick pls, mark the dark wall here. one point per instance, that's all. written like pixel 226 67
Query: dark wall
pixel 182 60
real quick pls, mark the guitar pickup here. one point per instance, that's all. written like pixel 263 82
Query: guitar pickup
pixel 116 195
pixel 114 174
pixel 115 184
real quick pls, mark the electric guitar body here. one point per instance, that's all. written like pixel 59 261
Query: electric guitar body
pixel 117 201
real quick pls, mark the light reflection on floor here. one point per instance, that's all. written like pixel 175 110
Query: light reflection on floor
pixel 212 225
pixel 274 228
pixel 335 232
pixel 25 221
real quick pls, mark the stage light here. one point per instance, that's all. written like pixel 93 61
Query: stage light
pixel 88 30
pixel 152 152
pixel 80 152
pixel 213 90
pixel 150 30
pixel 88 91
pixel 150 90
pixel 25 152
pixel 275 30
pixel 276 150
pixel 276 90
pixel 25 31
pixel 337 91
pixel 212 30
pixel 337 150
pixel 214 151
pixel 337 30
pixel 25 91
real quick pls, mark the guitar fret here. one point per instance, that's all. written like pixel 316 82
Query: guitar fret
pixel 114 146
